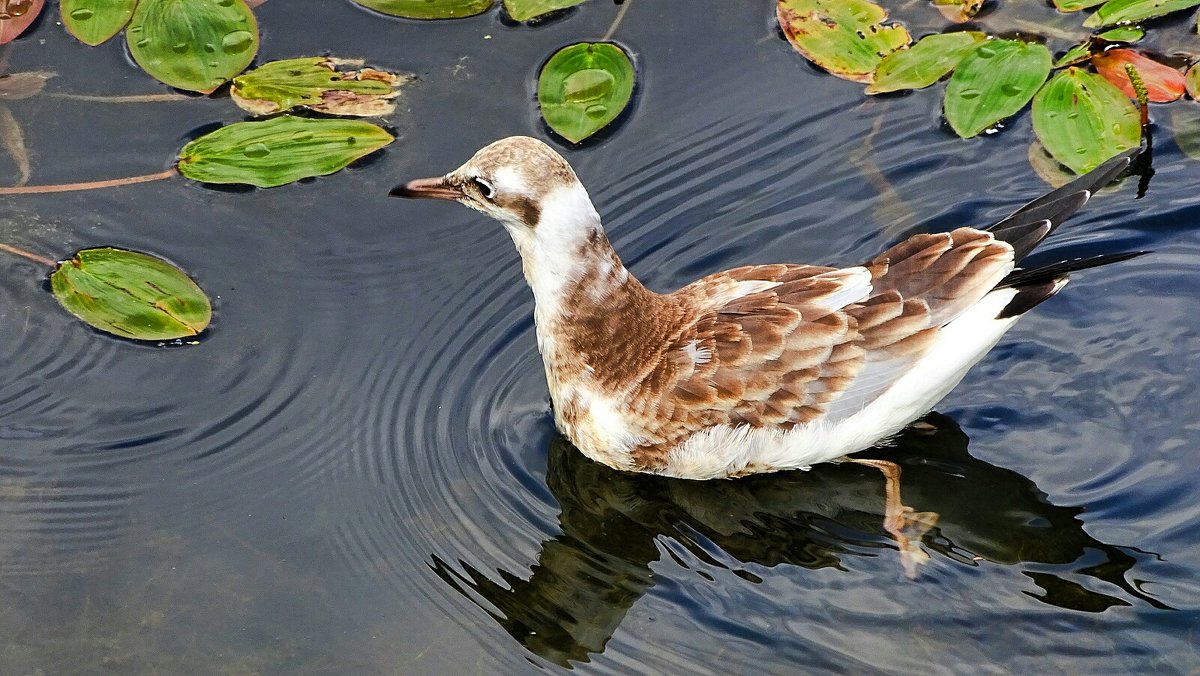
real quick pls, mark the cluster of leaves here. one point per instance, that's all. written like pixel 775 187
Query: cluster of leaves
pixel 1080 117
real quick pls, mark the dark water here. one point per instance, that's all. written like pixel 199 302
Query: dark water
pixel 356 470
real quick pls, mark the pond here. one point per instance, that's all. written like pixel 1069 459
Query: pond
pixel 355 470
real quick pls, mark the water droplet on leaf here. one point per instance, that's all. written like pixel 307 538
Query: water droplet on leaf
pixel 596 111
pixel 237 42
pixel 82 14
pixel 256 150
pixel 586 85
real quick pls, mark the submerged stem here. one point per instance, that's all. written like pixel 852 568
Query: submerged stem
pixel 612 29
pixel 26 254
pixel 136 98
pixel 90 185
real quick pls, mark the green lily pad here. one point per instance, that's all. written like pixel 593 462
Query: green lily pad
pixel 1192 81
pixel 131 294
pixel 95 21
pixel 1077 54
pixel 994 82
pixel 584 87
pixel 924 63
pixel 845 37
pixel 1076 5
pixel 428 9
pixel 1122 34
pixel 1129 11
pixel 1083 119
pixel 19 15
pixel 280 150
pixel 191 44
pixel 524 10
pixel 318 84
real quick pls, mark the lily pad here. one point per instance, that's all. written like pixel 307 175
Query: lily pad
pixel 584 87
pixel 1128 11
pixel 1077 54
pixel 1163 83
pixel 958 11
pixel 17 16
pixel 1083 119
pixel 428 9
pixel 131 294
pixel 1192 81
pixel 190 44
pixel 845 37
pixel 280 150
pixel 1122 34
pixel 318 84
pixel 1076 5
pixel 95 21
pixel 994 82
pixel 924 63
pixel 524 10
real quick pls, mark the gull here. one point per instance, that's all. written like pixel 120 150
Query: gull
pixel 759 368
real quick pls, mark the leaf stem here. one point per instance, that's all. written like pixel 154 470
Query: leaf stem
pixel 136 98
pixel 26 254
pixel 90 185
pixel 612 29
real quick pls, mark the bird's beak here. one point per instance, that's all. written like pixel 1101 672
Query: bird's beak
pixel 437 188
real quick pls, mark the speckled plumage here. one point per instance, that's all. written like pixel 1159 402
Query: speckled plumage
pixel 758 368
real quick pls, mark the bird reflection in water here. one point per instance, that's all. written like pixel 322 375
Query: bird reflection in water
pixel 587 578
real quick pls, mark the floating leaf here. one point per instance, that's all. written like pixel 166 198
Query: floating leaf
pixel 16 16
pixel 131 295
pixel 584 87
pixel 428 9
pixel 1122 34
pixel 1129 11
pixel 280 150
pixel 1163 83
pixel 1076 5
pixel 1077 54
pixel 24 85
pixel 1083 119
pixel 1185 123
pixel 958 11
pixel 524 10
pixel 924 63
pixel 316 83
pixel 1192 81
pixel 95 21
pixel 845 37
pixel 193 44
pixel 992 83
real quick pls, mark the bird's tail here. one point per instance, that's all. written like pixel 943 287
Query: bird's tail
pixel 1035 285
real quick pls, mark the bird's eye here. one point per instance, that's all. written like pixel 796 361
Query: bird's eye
pixel 486 189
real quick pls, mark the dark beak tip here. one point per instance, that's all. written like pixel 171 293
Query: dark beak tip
pixel 400 191
pixel 426 188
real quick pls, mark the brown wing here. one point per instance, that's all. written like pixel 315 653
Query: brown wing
pixel 810 341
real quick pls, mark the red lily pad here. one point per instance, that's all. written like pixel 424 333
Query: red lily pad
pixel 16 16
pixel 1163 83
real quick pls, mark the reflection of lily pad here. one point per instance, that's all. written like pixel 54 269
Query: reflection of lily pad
pixel 193 45
pixel 924 63
pixel 845 37
pixel 131 295
pixel 1083 119
pixel 524 10
pixel 316 83
pixel 994 82
pixel 428 9
pixel 280 150
pixel 1128 11
pixel 95 21
pixel 1185 122
pixel 584 87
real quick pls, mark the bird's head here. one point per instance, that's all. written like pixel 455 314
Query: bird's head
pixel 515 180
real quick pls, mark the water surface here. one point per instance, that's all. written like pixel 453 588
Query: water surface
pixel 356 471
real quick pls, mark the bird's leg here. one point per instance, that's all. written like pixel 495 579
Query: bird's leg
pixel 904 524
